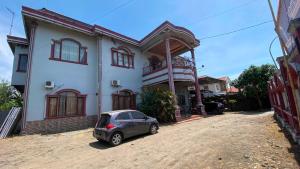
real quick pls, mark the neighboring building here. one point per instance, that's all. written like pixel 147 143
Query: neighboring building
pixel 284 87
pixel 69 71
pixel 215 86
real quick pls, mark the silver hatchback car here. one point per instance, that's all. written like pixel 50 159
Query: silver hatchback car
pixel 115 126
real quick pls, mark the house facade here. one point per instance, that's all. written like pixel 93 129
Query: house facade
pixel 216 86
pixel 69 71
pixel 284 87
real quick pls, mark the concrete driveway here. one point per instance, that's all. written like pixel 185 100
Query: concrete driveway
pixel 233 140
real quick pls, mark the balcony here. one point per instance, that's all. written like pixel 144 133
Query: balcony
pixel 158 73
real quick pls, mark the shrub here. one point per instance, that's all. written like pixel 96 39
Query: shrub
pixel 9 97
pixel 159 103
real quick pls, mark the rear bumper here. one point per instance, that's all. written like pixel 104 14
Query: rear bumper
pixel 101 135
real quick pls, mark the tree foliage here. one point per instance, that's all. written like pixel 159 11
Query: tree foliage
pixel 159 103
pixel 9 97
pixel 253 82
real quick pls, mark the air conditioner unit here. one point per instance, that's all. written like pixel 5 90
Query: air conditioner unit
pixel 191 88
pixel 49 85
pixel 115 83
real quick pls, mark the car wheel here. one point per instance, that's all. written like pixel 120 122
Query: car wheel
pixel 116 139
pixel 153 129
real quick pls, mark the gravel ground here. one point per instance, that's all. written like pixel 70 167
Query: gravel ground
pixel 233 140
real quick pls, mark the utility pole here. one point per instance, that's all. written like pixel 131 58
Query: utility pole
pixel 12 19
pixel 285 55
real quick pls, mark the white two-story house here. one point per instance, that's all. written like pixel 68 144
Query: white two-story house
pixel 69 71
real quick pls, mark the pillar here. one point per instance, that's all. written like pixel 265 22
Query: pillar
pixel 170 68
pixel 199 105
pixel 171 77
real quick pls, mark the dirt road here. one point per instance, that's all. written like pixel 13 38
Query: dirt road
pixel 233 140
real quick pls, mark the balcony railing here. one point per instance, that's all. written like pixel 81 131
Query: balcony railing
pixel 179 63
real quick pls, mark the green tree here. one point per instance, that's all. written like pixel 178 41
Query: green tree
pixel 159 103
pixel 253 82
pixel 9 97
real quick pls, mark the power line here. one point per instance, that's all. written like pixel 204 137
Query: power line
pixel 224 12
pixel 116 8
pixel 238 30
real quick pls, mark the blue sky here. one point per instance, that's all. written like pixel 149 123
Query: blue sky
pixel 222 56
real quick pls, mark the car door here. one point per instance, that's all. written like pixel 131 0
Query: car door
pixel 125 124
pixel 140 124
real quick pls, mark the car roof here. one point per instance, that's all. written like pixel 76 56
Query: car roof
pixel 117 111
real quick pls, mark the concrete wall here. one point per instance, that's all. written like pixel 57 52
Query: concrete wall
pixel 18 78
pixel 76 76
pixel 64 75
pixel 129 78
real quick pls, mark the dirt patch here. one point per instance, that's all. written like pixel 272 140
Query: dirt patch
pixel 233 140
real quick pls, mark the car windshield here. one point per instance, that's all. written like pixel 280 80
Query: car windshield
pixel 104 120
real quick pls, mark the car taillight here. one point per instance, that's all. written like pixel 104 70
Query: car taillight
pixel 109 126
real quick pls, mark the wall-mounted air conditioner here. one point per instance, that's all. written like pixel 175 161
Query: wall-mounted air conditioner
pixel 191 88
pixel 49 84
pixel 115 83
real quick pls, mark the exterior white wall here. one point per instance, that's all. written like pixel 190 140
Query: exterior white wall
pixel 18 78
pixel 64 75
pixel 129 78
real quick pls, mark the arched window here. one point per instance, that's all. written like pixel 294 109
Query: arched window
pixel 65 103
pixel 124 99
pixel 68 50
pixel 122 57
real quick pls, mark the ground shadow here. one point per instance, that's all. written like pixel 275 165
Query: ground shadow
pixel 105 145
pixel 295 148
pixel 100 145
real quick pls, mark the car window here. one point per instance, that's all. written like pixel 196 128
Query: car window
pixel 123 116
pixel 104 120
pixel 137 115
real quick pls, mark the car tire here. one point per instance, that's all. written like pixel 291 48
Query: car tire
pixel 153 129
pixel 116 139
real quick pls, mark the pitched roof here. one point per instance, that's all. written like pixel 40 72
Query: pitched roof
pixel 224 78
pixel 232 90
pixel 56 18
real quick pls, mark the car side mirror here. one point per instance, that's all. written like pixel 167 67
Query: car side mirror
pixel 146 117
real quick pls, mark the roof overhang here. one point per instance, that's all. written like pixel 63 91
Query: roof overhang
pixel 14 41
pixel 48 16
pixel 171 30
